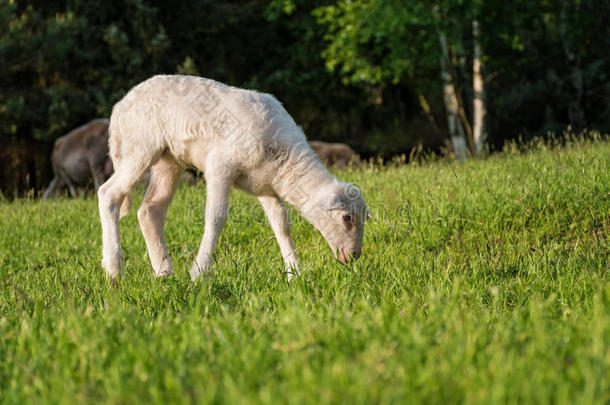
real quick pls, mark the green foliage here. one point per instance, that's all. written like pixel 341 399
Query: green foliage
pixel 66 63
pixel 554 45
pixel 480 282
pixel 375 41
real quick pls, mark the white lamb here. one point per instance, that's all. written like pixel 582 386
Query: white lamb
pixel 235 137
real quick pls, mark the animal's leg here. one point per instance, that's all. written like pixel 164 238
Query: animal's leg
pixel 216 213
pixel 126 206
pixel 127 201
pixel 151 214
pixel 56 185
pixel 280 223
pixel 110 196
pixel 97 173
pixel 66 180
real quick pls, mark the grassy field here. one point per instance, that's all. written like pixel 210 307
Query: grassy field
pixel 482 282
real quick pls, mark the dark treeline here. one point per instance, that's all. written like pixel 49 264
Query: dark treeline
pixel 383 76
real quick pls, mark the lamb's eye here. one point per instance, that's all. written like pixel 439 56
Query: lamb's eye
pixel 347 218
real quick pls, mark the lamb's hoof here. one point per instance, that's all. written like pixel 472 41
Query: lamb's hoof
pixel 114 266
pixel 114 278
pixel 166 270
pixel 164 273
pixel 197 271
pixel 292 273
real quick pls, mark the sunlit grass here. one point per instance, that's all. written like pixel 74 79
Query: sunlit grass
pixel 482 281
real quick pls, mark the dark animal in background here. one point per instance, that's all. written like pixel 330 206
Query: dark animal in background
pixel 335 154
pixel 79 157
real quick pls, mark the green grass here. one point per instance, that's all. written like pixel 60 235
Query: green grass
pixel 481 282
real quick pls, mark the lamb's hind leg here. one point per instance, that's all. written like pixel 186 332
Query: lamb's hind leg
pixel 151 214
pixel 110 197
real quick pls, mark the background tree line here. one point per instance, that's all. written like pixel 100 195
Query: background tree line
pixel 381 75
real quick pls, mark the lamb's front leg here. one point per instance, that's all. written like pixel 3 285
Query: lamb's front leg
pixel 280 223
pixel 216 213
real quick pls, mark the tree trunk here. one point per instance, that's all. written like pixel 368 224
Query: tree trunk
pixel 456 130
pixel 478 104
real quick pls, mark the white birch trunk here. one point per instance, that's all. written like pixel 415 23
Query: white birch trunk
pixel 478 103
pixel 456 130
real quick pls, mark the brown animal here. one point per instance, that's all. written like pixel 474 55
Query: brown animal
pixel 80 156
pixel 335 154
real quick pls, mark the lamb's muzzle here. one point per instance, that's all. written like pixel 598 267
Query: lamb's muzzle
pixel 236 137
pixel 345 256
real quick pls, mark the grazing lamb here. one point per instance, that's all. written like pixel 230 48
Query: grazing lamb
pixel 79 156
pixel 235 137
pixel 335 154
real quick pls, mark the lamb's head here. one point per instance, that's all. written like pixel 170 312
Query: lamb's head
pixel 340 216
